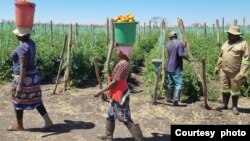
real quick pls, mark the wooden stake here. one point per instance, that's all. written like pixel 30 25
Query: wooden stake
pixel 68 63
pixel 244 20
pixel 61 62
pixel 97 72
pixel 218 33
pixel 204 84
pixel 149 28
pixel 213 28
pixel 154 98
pixel 111 46
pixel 184 35
pixel 34 29
pixel 45 28
pixel 98 77
pixel 139 32
pixel 163 69
pixel 205 29
pixel 107 31
pixel 235 23
pixel 144 29
pixel 2 26
pixel 223 25
pixel 51 33
pixel 77 33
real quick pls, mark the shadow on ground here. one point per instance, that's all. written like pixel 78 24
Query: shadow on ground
pixel 66 127
pixel 156 137
pixel 244 110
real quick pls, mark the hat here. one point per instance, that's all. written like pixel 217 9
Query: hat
pixel 21 31
pixel 126 50
pixel 172 34
pixel 235 30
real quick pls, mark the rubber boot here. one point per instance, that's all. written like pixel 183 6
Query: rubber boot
pixel 47 120
pixel 235 105
pixel 225 99
pixel 176 100
pixel 170 94
pixel 136 132
pixel 110 127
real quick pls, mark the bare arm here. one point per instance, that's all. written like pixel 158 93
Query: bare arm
pixel 109 86
pixel 23 66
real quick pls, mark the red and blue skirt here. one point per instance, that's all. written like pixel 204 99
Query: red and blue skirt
pixel 30 96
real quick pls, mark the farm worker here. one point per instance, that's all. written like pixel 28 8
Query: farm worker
pixel 232 66
pixel 175 49
pixel 26 91
pixel 119 97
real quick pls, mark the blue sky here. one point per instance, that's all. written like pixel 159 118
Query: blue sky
pixel 96 11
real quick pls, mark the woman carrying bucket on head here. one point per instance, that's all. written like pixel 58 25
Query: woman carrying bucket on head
pixel 119 95
pixel 26 91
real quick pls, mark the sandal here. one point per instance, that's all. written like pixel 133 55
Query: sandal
pixel 11 128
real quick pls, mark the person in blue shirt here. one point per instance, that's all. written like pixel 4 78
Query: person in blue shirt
pixel 175 49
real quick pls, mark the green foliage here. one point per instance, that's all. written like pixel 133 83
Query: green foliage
pixel 8 43
pixel 149 70
pixel 141 49
pixel 5 64
pixel 149 42
pixel 47 61
pixel 82 67
pixel 89 45
pixel 246 84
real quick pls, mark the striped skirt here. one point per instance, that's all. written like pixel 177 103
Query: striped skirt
pixel 31 96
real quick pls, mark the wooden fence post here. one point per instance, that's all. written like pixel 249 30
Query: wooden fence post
pixel 139 32
pixel 107 31
pixel 163 71
pixel 111 46
pixel 149 28
pixel 235 23
pixel 76 33
pixel 144 29
pixel 68 63
pixel 223 25
pixel 244 20
pixel 218 32
pixel 51 33
pixel 61 62
pixel 213 29
pixel 205 29
pixel 204 84
pixel 154 98
pixel 45 28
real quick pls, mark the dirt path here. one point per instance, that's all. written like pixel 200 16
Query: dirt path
pixel 79 117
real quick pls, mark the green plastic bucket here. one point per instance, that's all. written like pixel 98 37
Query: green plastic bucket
pixel 125 33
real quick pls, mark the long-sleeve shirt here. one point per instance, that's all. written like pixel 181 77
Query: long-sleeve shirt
pixel 235 58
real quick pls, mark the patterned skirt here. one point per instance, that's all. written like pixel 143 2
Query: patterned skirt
pixel 120 112
pixel 31 96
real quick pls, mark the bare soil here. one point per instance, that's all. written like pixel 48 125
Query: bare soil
pixel 80 117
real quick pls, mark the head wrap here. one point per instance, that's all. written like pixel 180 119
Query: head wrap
pixel 126 50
